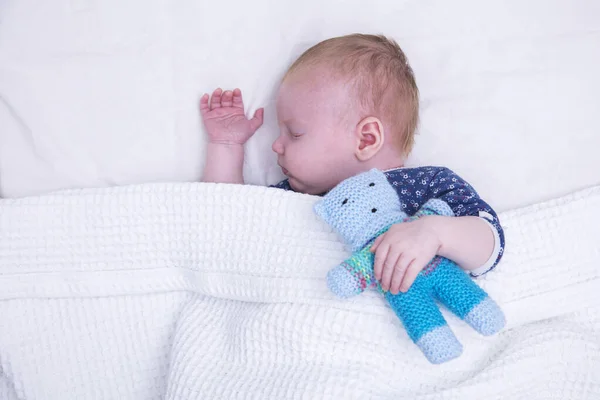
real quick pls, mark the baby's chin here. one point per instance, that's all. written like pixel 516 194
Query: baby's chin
pixel 297 186
pixel 302 187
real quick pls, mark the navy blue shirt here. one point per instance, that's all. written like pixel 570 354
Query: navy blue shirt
pixel 417 185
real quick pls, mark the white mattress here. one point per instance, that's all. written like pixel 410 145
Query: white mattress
pixel 101 93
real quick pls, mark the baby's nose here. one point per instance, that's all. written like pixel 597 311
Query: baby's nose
pixel 277 146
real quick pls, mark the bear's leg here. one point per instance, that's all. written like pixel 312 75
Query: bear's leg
pixel 457 291
pixel 424 323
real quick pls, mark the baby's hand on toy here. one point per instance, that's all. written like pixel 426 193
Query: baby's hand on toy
pixel 225 120
pixel 402 252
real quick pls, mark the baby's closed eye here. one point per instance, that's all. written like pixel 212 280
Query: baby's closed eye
pixel 295 134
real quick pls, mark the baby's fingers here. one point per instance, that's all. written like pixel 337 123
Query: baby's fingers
pixel 204 103
pixel 399 269
pixel 411 274
pixel 388 269
pixel 380 256
pixel 237 98
pixel 376 243
pixel 215 100
pixel 227 99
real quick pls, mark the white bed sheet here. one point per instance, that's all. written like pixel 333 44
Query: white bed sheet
pixel 100 93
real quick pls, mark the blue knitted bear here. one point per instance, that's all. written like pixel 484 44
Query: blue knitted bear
pixel 365 206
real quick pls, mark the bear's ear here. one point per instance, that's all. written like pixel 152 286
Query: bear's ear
pixel 377 175
pixel 438 207
pixel 374 172
pixel 320 210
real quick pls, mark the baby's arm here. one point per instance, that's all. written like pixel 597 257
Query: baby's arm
pixel 467 240
pixel 475 240
pixel 453 237
pixel 228 130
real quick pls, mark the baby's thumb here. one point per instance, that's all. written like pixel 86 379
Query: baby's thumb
pixel 257 119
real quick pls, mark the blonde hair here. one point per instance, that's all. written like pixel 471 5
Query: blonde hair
pixel 376 65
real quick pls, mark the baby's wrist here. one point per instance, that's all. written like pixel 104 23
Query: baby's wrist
pixel 435 225
pixel 224 163
pixel 225 144
pixel 225 154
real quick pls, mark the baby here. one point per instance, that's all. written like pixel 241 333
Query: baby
pixel 345 106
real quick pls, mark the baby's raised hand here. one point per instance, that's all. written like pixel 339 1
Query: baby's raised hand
pixel 402 252
pixel 225 120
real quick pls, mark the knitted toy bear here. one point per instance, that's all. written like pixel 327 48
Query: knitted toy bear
pixel 365 206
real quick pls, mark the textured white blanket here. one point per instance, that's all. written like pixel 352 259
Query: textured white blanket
pixel 216 291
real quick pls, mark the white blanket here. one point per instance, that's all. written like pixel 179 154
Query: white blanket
pixel 217 291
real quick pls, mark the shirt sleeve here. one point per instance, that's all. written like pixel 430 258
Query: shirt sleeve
pixel 464 200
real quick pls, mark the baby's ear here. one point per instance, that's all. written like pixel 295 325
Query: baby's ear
pixel 370 138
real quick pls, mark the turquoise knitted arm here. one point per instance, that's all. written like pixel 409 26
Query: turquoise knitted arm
pixel 354 275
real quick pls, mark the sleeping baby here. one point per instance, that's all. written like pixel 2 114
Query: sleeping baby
pixel 345 106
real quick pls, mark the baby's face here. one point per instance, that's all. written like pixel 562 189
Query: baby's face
pixel 317 119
